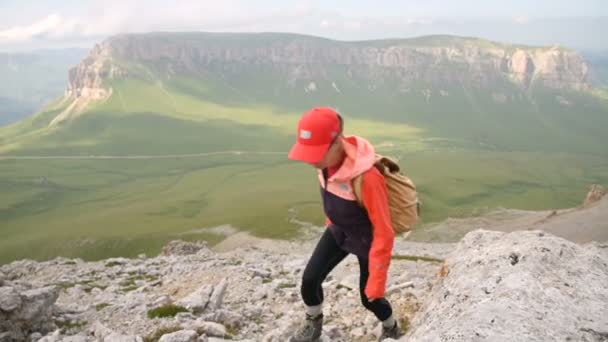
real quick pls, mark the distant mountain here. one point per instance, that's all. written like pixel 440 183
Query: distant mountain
pixel 28 81
pixel 598 61
pixel 478 92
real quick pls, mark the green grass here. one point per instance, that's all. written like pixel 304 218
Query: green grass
pixel 166 311
pixel 95 209
pixel 415 258
pixel 113 263
pixel 101 306
pixel 69 325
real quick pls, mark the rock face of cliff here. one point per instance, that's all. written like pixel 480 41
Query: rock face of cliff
pixel 435 60
pixel 520 286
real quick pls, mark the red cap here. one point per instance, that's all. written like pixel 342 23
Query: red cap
pixel 317 129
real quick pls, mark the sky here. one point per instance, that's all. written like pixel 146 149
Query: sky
pixel 44 24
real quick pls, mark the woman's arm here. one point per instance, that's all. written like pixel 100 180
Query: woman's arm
pixel 375 201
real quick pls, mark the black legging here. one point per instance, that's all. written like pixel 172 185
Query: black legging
pixel 325 257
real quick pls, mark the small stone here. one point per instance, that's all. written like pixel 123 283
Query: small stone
pixel 162 301
pixel 197 301
pixel 357 332
pixel 9 299
pixel 215 302
pixel 180 336
pixel 211 329
pixel 35 336
pixel 116 261
pixel 399 287
pixel 74 338
pixel 260 273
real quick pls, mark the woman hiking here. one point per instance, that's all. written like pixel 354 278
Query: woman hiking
pixel 364 231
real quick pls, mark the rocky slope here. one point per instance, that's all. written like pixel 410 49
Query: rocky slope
pixel 584 223
pixel 248 293
pixel 520 286
pixel 492 286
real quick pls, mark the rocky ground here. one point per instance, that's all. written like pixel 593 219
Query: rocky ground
pixel 247 293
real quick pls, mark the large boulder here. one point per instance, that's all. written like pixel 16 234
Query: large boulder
pixel 25 311
pixel 520 286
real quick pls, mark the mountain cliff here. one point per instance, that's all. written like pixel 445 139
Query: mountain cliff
pixel 436 60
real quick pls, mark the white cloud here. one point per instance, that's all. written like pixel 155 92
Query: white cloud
pixel 93 20
pixel 108 17
pixel 352 25
pixel 521 19
pixel 53 26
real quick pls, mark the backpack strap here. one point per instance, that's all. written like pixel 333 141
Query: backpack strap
pixel 384 165
pixel 325 178
pixel 358 183
pixel 357 189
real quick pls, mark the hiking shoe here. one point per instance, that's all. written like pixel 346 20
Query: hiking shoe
pixel 393 332
pixel 310 330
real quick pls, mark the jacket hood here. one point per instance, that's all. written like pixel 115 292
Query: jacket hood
pixel 360 157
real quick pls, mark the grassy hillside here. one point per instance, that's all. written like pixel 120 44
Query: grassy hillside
pixel 172 155
pixel 99 208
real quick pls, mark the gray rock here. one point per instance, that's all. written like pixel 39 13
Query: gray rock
pixel 36 337
pixel 179 247
pixel 332 332
pixel 180 336
pixel 399 287
pixel 215 302
pixel 99 330
pixel 9 299
pixel 350 282
pixel 37 303
pixel 211 329
pixel 7 336
pixel 75 338
pixel 185 316
pixel 260 273
pixel 225 317
pixel 259 294
pixel 53 337
pixel 357 333
pixel 116 337
pixel 116 261
pixel 2 278
pixel 521 286
pixel 197 301
pixel 162 301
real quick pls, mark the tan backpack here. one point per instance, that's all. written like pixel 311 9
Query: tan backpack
pixel 402 196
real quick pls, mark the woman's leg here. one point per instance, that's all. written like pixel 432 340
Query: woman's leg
pixel 380 307
pixel 326 256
